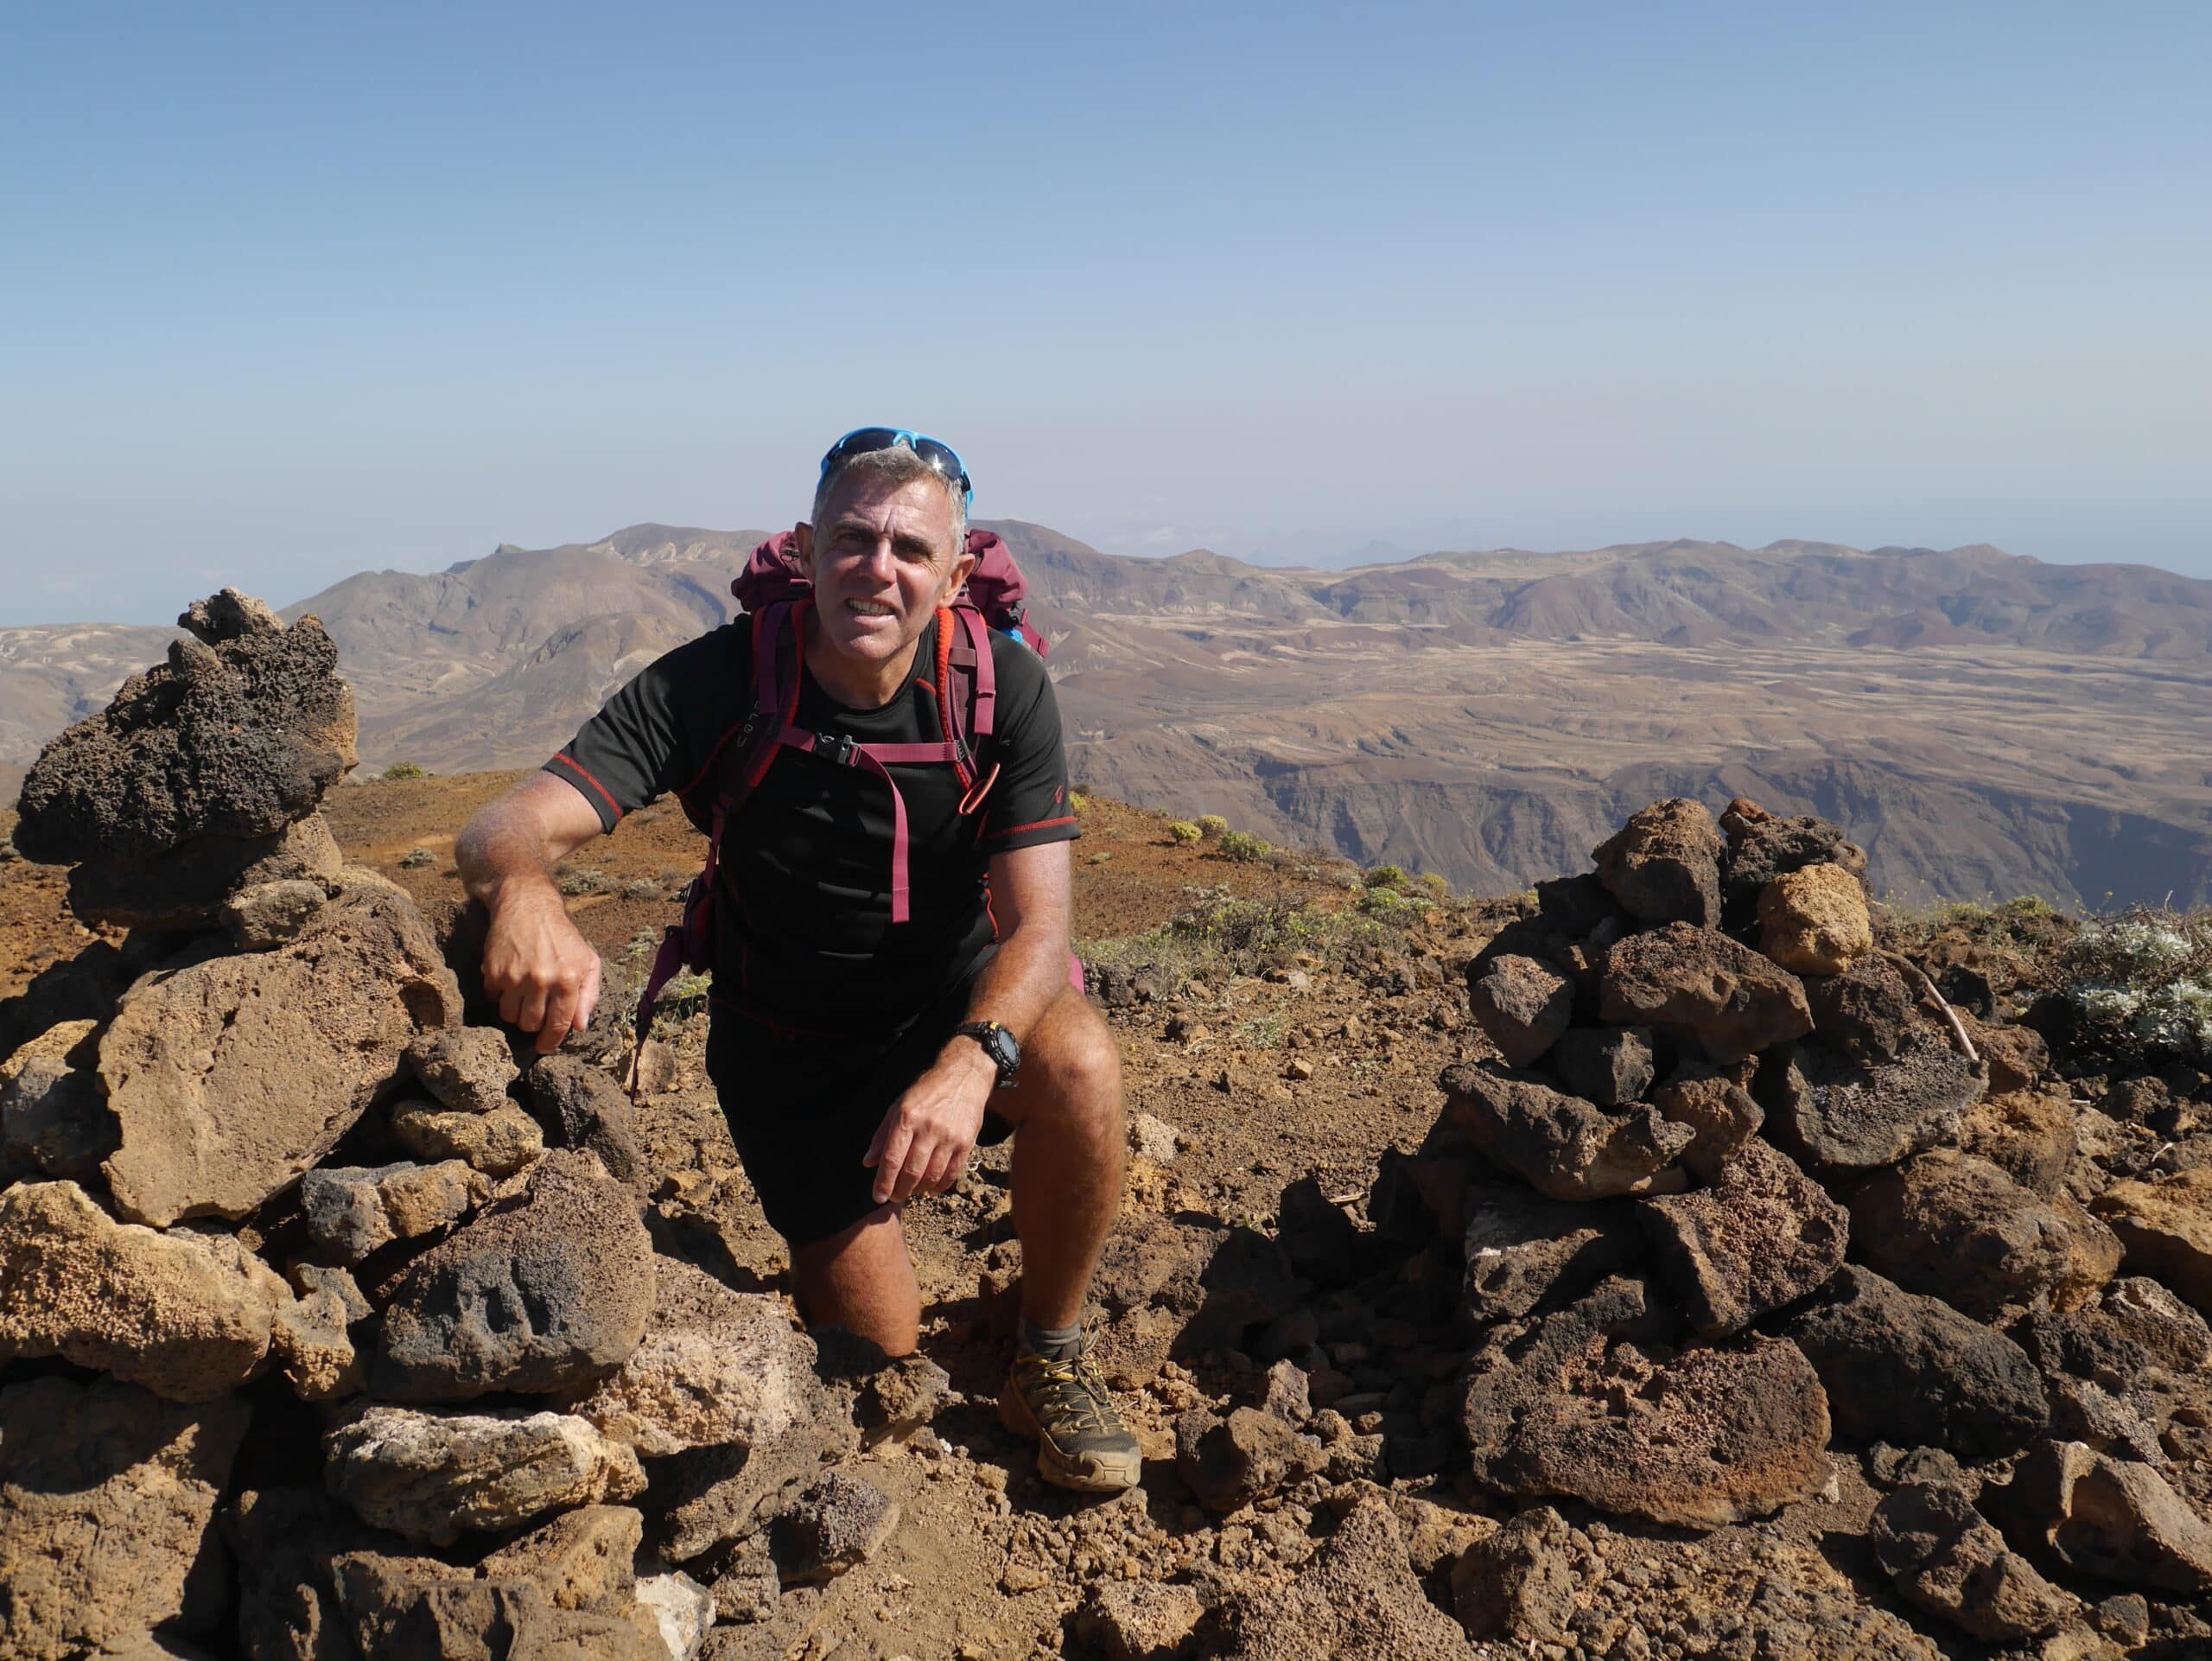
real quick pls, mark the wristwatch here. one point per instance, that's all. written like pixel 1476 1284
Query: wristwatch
pixel 999 1044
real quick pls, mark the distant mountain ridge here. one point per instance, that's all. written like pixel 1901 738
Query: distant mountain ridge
pixel 1985 723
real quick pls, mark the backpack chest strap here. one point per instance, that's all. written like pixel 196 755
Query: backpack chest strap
pixel 843 750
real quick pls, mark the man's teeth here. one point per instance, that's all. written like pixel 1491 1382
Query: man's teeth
pixel 869 607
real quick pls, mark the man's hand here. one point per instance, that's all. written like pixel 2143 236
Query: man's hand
pixel 922 1145
pixel 544 973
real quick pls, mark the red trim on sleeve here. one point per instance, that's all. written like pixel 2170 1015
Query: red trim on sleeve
pixel 1040 824
pixel 586 774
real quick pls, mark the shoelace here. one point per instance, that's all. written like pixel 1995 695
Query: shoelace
pixel 1073 1392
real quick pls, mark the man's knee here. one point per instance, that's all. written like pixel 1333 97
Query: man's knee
pixel 1075 1061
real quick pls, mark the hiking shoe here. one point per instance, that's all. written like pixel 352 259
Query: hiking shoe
pixel 1081 1441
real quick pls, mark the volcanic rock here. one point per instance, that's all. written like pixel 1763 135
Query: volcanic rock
pixel 1609 1066
pixel 714 1366
pixel 311 1342
pixel 1957 1228
pixel 1814 922
pixel 1523 1250
pixel 680 1611
pixel 2017 1056
pixel 1574 908
pixel 1562 1145
pixel 591 1113
pixel 1522 1007
pixel 582 1559
pixel 229 1077
pixel 839 1523
pixel 1945 1557
pixel 431 1476
pixel 1759 851
pixel 1587 1402
pixel 268 913
pixel 1322 1242
pixel 2166 1229
pixel 419 1607
pixel 546 1291
pixel 467 1068
pixel 1762 1236
pixel 352 1209
pixel 2079 1511
pixel 1717 1105
pixel 107 1496
pixel 285 1540
pixel 2026 1134
pixel 1664 864
pixel 1903 1368
pixel 1519 1583
pixel 1866 1013
pixel 1830 1111
pixel 1230 1462
pixel 1719 992
pixel 1357 1602
pixel 497 1143
pixel 54 1116
pixel 186 1316
pixel 198 884
pixel 1140 1621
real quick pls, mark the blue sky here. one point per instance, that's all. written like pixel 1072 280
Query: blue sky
pixel 288 292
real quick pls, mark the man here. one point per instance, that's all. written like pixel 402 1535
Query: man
pixel 856 1058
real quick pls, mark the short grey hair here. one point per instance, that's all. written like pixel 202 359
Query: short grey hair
pixel 898 465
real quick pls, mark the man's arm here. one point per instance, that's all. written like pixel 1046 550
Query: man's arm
pixel 543 974
pixel 925 1139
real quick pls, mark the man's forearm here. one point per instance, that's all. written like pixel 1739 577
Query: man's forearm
pixel 501 845
pixel 1022 978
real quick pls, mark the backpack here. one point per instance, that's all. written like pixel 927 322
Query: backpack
pixel 775 596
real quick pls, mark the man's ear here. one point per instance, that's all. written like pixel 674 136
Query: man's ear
pixel 803 545
pixel 962 564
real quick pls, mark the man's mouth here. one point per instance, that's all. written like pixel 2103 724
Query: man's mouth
pixel 870 608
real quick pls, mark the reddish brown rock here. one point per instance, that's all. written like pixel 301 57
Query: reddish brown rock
pixel 1814 922
pixel 1762 1236
pixel 2079 1511
pixel 1717 1104
pixel 2026 1134
pixel 1726 997
pixel 1562 1145
pixel 1522 1005
pixel 1609 1066
pixel 2166 1229
pixel 1945 1557
pixel 1663 865
pixel 1827 1110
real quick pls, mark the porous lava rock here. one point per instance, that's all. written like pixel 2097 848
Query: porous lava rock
pixel 54 1116
pixel 1609 1066
pixel 1717 1105
pixel 584 1559
pixel 1946 1558
pixel 1663 865
pixel 2074 1509
pixel 1723 996
pixel 285 1540
pixel 1523 1250
pixel 352 1210
pixel 1229 1462
pixel 195 885
pixel 1522 1005
pixel 229 1077
pixel 497 1143
pixel 549 1290
pixel 1519 1583
pixel 238 734
pixel 1591 1403
pixel 1828 1109
pixel 1562 1145
pixel 1140 1621
pixel 2166 1229
pixel 585 1109
pixel 1764 847
pixel 1957 1228
pixel 1814 922
pixel 270 912
pixel 467 1068
pixel 107 1503
pixel 1763 1235
pixel 433 1476
pixel 1903 1368
pixel 2027 1135
pixel 421 1607
pixel 185 1315
pixel 714 1366
pixel 840 1522
pixel 1359 1601
pixel 1866 1013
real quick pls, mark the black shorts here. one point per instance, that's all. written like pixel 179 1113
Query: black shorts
pixel 803 1108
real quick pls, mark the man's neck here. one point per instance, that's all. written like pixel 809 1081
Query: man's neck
pixel 856 683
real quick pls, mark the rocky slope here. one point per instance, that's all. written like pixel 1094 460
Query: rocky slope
pixel 1687 1263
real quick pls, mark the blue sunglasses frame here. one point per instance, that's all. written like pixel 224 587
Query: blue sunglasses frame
pixel 946 460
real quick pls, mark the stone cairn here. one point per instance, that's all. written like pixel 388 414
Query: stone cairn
pixel 1740 1196
pixel 310 1347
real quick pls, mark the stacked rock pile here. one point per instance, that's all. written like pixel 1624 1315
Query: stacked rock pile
pixel 1739 1201
pixel 310 1345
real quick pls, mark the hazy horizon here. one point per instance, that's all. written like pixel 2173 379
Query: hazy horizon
pixel 298 294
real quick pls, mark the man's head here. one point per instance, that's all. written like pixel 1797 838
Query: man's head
pixel 887 546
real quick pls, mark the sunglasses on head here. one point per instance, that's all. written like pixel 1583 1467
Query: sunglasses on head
pixel 942 458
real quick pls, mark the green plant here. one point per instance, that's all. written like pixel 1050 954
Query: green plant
pixel 1439 886
pixel 1212 824
pixel 415 859
pixel 583 878
pixel 2145 978
pixel 1244 849
pixel 1184 831
pixel 1078 803
pixel 399 771
pixel 1385 877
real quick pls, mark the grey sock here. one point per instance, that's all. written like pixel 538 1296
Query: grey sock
pixel 1054 1343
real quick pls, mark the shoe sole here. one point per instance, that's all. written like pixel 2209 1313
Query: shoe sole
pixel 1091 1474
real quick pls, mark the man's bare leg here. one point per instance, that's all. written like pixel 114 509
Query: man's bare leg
pixel 864 1281
pixel 1067 1157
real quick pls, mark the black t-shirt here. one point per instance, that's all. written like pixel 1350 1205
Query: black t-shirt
pixel 804 935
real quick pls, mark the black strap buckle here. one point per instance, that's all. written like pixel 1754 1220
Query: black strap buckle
pixel 836 748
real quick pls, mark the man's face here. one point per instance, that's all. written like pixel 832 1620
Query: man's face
pixel 883 561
